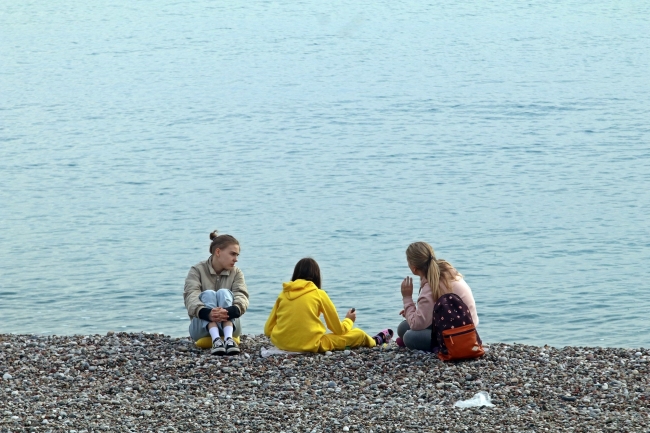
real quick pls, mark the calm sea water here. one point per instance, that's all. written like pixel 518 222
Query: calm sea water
pixel 513 137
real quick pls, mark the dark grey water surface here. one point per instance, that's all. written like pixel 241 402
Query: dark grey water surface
pixel 512 137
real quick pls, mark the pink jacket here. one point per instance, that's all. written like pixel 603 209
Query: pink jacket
pixel 421 317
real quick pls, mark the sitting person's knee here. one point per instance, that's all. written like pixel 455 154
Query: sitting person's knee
pixel 207 295
pixel 224 298
pixel 402 328
pixel 417 340
pixel 410 340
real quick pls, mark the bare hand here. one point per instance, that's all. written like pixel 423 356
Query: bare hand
pixel 218 315
pixel 352 315
pixel 407 287
pixel 401 313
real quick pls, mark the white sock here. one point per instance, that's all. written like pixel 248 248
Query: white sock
pixel 227 332
pixel 214 332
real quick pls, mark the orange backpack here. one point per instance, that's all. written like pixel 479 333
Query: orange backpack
pixel 454 330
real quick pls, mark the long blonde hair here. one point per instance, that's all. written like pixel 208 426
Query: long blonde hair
pixel 421 256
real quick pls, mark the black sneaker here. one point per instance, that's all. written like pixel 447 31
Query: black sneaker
pixel 231 347
pixel 218 347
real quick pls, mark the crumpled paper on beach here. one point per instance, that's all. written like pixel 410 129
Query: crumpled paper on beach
pixel 481 398
pixel 265 353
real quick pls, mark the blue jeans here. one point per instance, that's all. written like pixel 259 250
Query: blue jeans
pixel 221 298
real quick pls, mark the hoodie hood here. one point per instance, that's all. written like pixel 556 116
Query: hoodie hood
pixel 297 288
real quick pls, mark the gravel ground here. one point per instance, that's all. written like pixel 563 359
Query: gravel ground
pixel 151 382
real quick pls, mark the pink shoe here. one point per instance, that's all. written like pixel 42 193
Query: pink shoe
pixel 384 336
pixel 400 342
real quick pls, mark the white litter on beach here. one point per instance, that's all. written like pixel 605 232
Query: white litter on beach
pixel 481 398
pixel 265 353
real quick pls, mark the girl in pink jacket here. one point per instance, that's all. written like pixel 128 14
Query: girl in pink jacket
pixel 437 277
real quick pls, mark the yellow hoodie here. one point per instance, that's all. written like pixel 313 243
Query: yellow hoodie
pixel 294 323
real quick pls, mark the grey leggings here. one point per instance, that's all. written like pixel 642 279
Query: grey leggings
pixel 415 340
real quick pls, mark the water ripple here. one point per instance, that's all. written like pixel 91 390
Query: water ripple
pixel 519 151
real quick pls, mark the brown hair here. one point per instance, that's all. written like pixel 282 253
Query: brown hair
pixel 421 256
pixel 307 269
pixel 221 241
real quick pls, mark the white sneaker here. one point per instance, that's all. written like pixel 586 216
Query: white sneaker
pixel 231 347
pixel 218 347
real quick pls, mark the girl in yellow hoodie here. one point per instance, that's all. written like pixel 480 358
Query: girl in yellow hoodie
pixel 294 323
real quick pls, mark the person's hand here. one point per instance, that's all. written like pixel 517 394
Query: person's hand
pixel 218 315
pixel 352 315
pixel 407 287
pixel 401 313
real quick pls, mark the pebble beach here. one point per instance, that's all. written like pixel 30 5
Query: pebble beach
pixel 137 382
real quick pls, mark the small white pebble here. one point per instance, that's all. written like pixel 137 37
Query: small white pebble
pixel 7 376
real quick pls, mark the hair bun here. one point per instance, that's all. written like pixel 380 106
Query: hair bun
pixel 214 234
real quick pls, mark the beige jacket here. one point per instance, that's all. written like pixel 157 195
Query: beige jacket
pixel 203 277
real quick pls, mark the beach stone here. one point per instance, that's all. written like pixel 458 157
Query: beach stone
pixel 312 392
pixel 7 376
pixel 328 353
